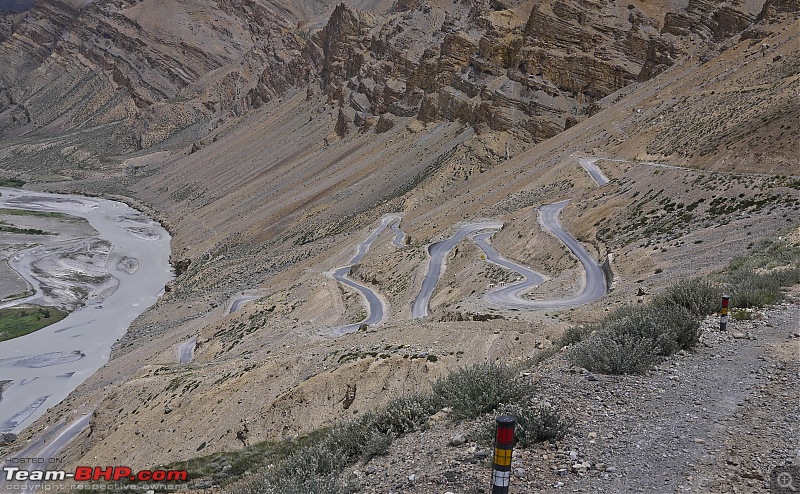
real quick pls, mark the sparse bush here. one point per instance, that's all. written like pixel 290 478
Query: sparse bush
pixel 576 334
pixel 617 352
pixel 673 325
pixel 634 338
pixel 535 424
pixel 748 289
pixel 375 444
pixel 310 470
pixel 406 414
pixel 757 279
pixel 481 388
pixel 358 439
pixel 700 297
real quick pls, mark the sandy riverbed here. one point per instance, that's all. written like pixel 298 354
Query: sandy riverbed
pixel 111 275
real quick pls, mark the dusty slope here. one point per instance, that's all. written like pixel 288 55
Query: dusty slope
pixel 702 422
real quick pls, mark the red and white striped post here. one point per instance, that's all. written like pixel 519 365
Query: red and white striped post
pixel 503 446
pixel 723 318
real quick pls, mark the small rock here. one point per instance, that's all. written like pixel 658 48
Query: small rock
pixel 738 336
pixel 519 473
pixel 558 485
pixel 578 468
pixel 412 478
pixel 592 435
pixel 573 455
pixel 167 409
pixel 458 440
pixel 439 416
pixel 369 470
pixel 481 454
pixel 7 438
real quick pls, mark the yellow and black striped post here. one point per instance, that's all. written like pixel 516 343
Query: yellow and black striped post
pixel 723 319
pixel 503 446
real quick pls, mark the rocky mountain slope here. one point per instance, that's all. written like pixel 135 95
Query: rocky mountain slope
pixel 163 75
pixel 270 139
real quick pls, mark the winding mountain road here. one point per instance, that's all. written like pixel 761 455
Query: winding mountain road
pixel 399 235
pixel 438 251
pixel 376 307
pixel 509 296
pixel 594 281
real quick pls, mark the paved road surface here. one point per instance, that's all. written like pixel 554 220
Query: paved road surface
pixel 239 300
pixel 438 251
pixel 399 235
pixel 376 307
pixel 47 447
pixel 595 282
pixel 589 165
pixel 508 296
pixel 186 350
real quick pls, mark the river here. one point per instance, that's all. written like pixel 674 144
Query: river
pixel 47 365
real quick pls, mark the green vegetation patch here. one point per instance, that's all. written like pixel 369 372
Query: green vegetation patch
pixel 7 228
pixel 38 214
pixel 11 182
pixel 17 322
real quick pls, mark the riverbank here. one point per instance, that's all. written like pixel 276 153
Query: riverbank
pixel 110 276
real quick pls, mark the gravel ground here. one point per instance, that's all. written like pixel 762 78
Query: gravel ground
pixel 719 419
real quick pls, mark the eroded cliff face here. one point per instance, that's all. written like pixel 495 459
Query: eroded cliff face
pixel 485 65
pixel 155 69
pixel 166 74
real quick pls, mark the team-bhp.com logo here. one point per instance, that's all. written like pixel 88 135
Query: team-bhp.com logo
pixel 83 474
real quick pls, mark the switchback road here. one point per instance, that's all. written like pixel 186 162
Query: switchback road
pixel 376 307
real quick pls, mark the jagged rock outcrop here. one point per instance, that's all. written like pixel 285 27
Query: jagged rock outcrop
pixel 153 68
pixel 485 66
pixel 708 19
pixel 159 71
pixel 773 10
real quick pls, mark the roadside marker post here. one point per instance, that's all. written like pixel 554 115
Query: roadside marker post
pixel 503 446
pixel 723 320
